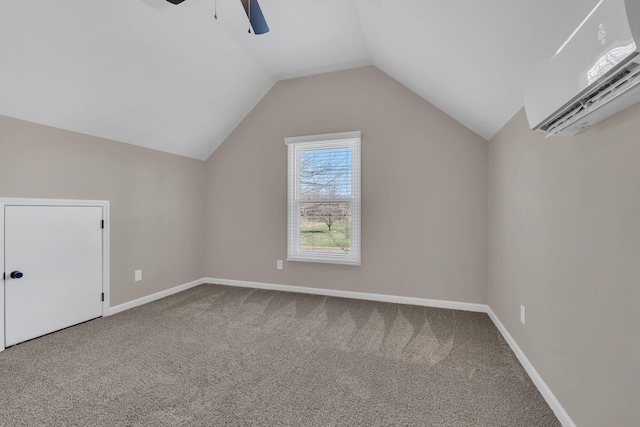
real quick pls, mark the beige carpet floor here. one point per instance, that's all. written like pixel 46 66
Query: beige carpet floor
pixel 217 355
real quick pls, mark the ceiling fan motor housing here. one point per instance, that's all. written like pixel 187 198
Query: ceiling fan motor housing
pixel 175 1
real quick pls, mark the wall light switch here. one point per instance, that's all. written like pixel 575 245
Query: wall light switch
pixel 138 275
pixel 522 314
pixel 279 264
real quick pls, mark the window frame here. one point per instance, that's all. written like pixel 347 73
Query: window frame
pixel 318 142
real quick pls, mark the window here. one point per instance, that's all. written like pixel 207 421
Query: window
pixel 324 198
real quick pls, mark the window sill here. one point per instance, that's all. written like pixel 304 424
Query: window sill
pixel 338 261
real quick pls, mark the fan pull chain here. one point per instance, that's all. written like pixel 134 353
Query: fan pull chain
pixel 215 9
pixel 249 16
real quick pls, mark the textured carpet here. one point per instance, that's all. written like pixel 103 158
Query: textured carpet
pixel 217 355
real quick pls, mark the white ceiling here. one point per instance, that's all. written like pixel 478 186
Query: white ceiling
pixel 173 79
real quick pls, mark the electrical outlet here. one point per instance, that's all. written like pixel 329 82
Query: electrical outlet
pixel 522 314
pixel 138 275
pixel 279 264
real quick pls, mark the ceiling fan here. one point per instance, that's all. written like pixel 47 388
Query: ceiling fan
pixel 253 11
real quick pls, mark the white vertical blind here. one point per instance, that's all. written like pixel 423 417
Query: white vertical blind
pixel 324 198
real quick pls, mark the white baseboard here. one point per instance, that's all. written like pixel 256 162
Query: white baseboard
pixel 544 389
pixel 153 297
pixel 482 308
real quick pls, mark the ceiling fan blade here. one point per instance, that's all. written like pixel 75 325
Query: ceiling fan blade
pixel 256 19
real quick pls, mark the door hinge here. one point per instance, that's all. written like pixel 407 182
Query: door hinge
pixel 102 297
pixel 102 224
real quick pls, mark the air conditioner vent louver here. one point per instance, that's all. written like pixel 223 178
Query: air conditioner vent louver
pixel 615 86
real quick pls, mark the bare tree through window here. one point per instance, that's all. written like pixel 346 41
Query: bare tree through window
pixel 325 188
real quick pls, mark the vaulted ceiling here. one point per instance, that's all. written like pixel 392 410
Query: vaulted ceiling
pixel 172 78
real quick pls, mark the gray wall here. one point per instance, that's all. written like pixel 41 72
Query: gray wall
pixel 565 242
pixel 157 199
pixel 424 202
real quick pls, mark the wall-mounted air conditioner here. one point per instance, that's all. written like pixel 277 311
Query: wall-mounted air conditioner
pixel 594 75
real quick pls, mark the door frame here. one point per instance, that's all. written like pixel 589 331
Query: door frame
pixel 104 204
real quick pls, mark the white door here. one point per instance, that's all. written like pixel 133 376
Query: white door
pixel 58 251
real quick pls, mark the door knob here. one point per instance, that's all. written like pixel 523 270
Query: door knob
pixel 16 274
